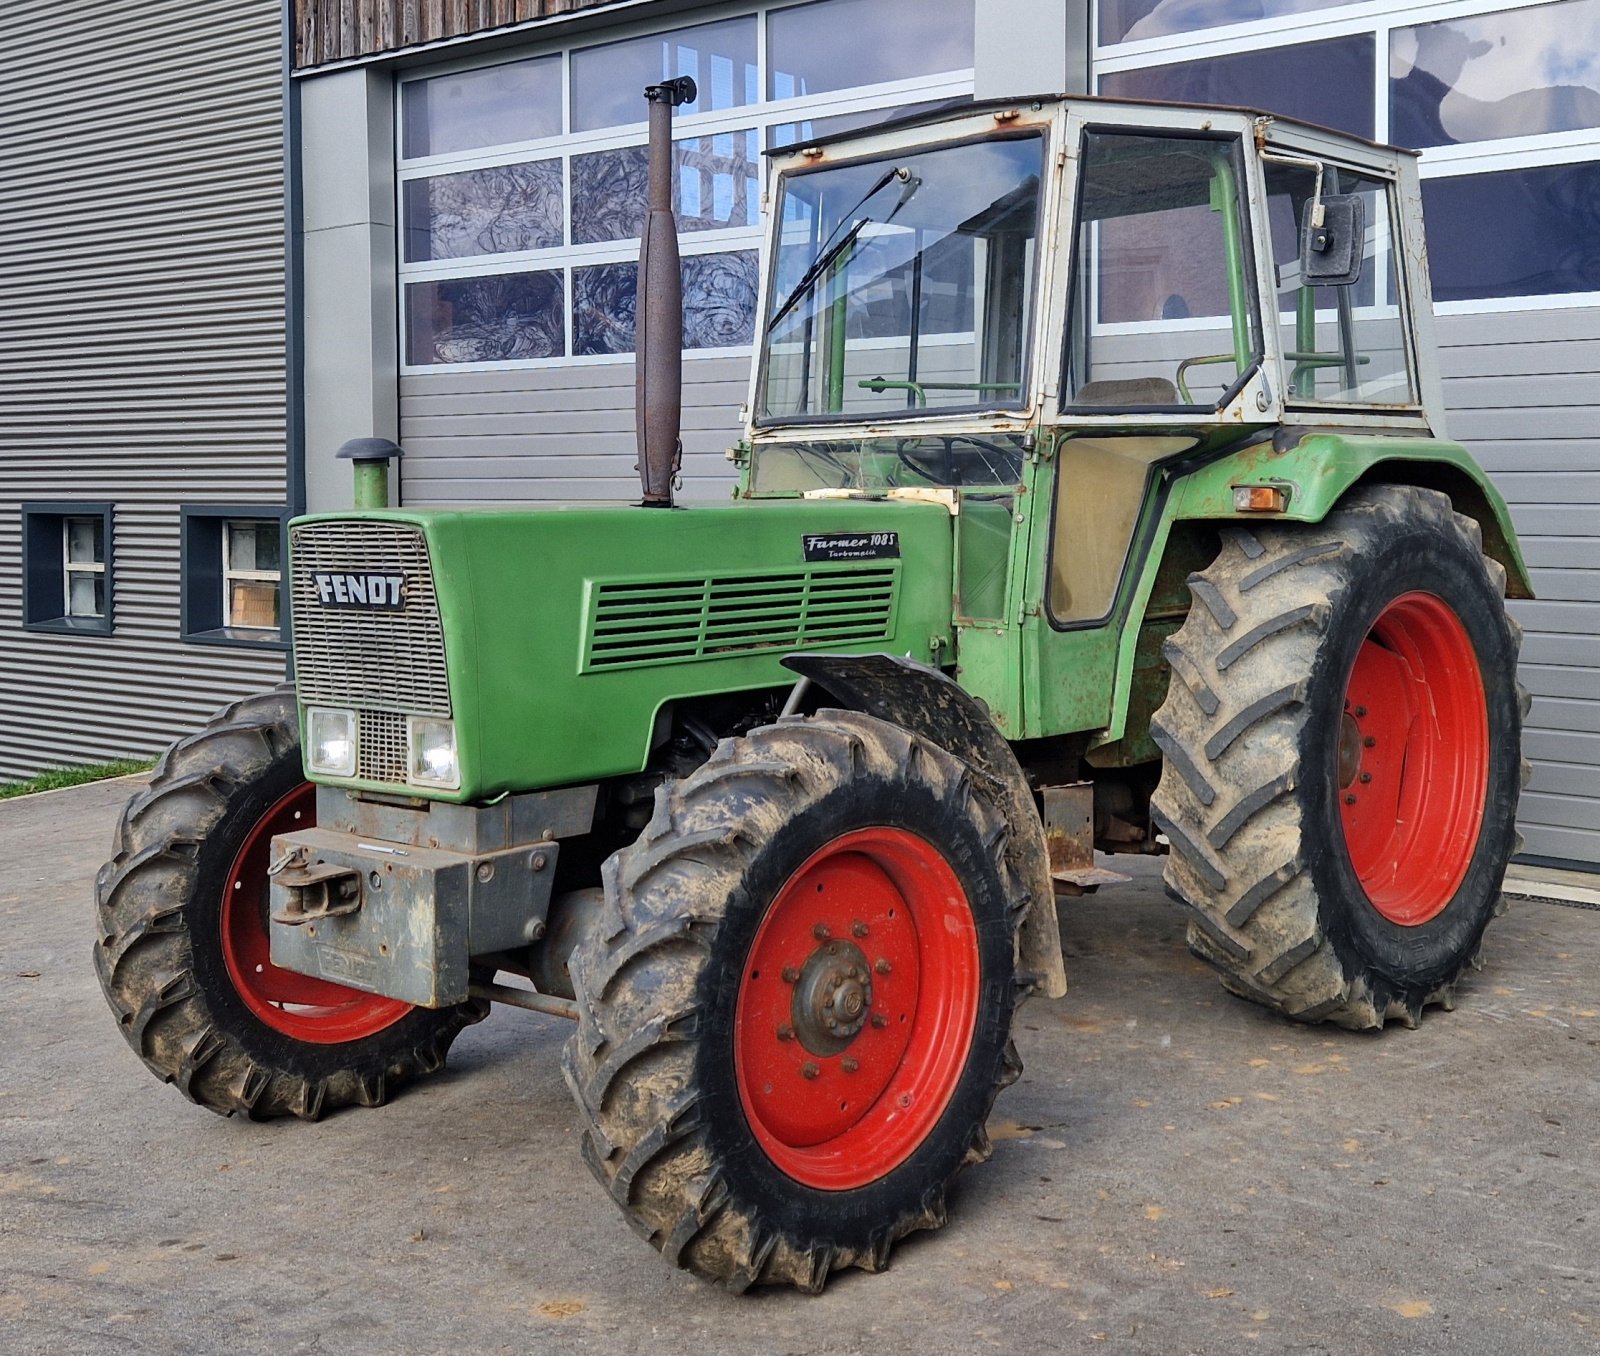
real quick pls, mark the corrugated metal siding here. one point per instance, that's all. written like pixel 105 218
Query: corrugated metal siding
pixel 1527 402
pixel 141 343
pixel 337 30
pixel 558 433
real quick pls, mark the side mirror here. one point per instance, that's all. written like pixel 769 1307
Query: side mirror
pixel 1331 250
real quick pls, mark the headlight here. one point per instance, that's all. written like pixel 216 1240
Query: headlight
pixel 331 742
pixel 431 752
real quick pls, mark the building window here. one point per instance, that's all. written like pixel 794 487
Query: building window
pixel 522 185
pixel 233 575
pixel 67 583
pixel 1504 101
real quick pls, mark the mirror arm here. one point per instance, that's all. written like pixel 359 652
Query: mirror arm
pixel 1304 162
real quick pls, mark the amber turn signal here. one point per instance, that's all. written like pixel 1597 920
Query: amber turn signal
pixel 1259 499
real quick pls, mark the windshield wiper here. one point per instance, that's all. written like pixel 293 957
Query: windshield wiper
pixel 909 185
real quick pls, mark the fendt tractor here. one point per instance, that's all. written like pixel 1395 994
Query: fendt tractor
pixel 1091 495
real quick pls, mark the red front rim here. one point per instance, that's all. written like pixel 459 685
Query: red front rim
pixel 1413 758
pixel 856 1008
pixel 297 1005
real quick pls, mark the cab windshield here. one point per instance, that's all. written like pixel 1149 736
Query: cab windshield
pixel 904 284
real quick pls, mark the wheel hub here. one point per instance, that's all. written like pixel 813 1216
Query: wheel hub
pixel 832 998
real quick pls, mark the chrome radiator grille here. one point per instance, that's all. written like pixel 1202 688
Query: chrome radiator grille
pixel 384 664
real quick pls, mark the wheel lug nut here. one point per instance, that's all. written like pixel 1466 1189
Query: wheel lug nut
pixel 1366 776
pixel 1369 743
pixel 1360 711
pixel 809 1070
pixel 849 1065
pixel 882 967
pixel 785 1033
pixel 858 928
pixel 820 932
pixel 790 975
pixel 1349 800
pixel 879 1020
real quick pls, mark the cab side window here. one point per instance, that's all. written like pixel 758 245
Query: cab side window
pixel 1343 345
pixel 1162 307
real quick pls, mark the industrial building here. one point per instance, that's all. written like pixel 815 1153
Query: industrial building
pixel 464 185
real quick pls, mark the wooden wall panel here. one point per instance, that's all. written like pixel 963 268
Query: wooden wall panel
pixel 338 30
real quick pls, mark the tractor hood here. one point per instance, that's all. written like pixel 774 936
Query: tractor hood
pixel 549 640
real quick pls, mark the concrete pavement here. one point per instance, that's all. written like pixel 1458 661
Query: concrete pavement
pixel 1176 1172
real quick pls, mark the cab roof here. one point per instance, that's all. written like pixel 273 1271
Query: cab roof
pixel 955 108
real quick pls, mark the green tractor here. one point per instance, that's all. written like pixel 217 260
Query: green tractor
pixel 1090 496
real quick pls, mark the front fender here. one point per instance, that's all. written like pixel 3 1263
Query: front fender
pixel 932 704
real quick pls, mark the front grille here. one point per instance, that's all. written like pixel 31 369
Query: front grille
pixel 638 622
pixel 383 664
pixel 381 746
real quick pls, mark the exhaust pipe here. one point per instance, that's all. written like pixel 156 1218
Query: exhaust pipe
pixel 658 343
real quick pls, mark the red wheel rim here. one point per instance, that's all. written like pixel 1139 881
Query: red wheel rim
pixel 297 1005
pixel 838 1107
pixel 1413 758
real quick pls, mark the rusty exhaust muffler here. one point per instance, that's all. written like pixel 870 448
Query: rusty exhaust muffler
pixel 658 343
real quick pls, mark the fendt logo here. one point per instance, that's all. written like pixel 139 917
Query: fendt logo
pixel 378 592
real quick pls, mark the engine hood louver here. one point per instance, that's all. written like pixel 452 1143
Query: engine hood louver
pixel 634 622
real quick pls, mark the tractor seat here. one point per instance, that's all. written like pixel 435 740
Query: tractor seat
pixel 1128 391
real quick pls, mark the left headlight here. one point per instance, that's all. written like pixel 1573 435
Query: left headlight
pixel 331 741
pixel 431 752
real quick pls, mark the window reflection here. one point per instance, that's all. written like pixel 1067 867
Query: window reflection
pixel 1496 75
pixel 719 303
pixel 496 318
pixel 716 184
pixel 839 43
pixel 497 210
pixel 1533 232
pixel 492 106
pixel 1130 20
pixel 719 57
pixel 1329 83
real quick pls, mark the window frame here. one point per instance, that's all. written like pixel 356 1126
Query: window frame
pixel 46 572
pixel 203 575
pixel 1521 152
pixel 763 115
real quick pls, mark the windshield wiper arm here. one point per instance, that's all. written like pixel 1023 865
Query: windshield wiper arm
pixel 910 184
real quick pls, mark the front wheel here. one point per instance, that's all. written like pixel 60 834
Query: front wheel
pixel 792 1034
pixel 183 948
pixel 1341 741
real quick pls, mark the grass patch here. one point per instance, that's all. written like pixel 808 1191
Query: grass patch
pixel 53 779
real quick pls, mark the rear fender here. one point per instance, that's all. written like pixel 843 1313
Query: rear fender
pixel 1317 471
pixel 930 703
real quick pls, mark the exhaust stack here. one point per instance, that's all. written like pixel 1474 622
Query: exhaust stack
pixel 658 343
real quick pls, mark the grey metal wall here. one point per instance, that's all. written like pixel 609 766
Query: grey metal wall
pixel 1523 389
pixel 141 342
pixel 557 433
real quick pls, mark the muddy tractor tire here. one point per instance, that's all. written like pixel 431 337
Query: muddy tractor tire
pixel 798 1013
pixel 1341 741
pixel 183 954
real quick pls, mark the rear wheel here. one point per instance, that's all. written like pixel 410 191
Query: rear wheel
pixel 793 1031
pixel 183 948
pixel 1342 758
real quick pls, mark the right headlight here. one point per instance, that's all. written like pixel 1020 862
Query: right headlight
pixel 431 752
pixel 331 741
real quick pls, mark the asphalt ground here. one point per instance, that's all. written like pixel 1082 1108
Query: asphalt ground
pixel 1176 1172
